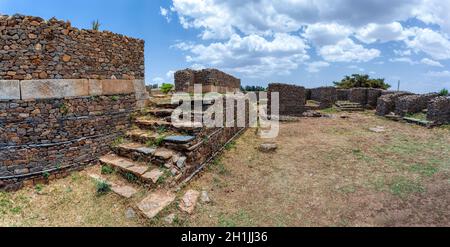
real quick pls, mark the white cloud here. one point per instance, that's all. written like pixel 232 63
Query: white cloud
pixel 166 13
pixel 158 80
pixel 251 55
pixel 430 62
pixel 348 51
pixel 431 42
pixel 444 73
pixel 322 34
pixel 434 12
pixel 403 53
pixel 381 32
pixel 403 60
pixel 315 67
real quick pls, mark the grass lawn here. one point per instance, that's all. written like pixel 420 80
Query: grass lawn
pixel 326 172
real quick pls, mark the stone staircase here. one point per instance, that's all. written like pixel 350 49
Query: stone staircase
pixel 158 155
pixel 349 106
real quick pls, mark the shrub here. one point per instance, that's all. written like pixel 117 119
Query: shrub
pixel 107 170
pixel 166 88
pixel 443 92
pixel 357 80
pixel 102 187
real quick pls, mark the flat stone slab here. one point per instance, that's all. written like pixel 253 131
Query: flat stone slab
pixel 153 175
pixel 268 147
pixel 179 139
pixel 189 201
pixel 163 153
pixel 378 129
pixel 138 148
pixel 54 88
pixel 112 87
pixel 117 161
pixel 124 191
pixel 9 89
pixel 155 202
pixel 138 169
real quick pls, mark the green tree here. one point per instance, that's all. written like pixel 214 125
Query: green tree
pixel 166 88
pixel 357 80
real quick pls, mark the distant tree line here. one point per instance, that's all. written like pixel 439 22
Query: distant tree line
pixel 253 89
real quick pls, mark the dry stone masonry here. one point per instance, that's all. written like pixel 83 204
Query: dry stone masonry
pixel 439 110
pixel 212 80
pixel 292 99
pixel 411 104
pixel 327 96
pixel 32 48
pixel 65 95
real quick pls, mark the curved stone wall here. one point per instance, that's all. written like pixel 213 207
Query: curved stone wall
pixel 32 48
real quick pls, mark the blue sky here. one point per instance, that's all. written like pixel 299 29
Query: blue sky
pixel 306 42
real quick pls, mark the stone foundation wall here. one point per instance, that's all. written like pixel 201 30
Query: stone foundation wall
pixel 292 99
pixel 212 80
pixel 53 135
pixel 386 103
pixel 358 95
pixel 327 96
pixel 32 48
pixel 439 110
pixel 372 97
pixel 413 103
pixel 343 94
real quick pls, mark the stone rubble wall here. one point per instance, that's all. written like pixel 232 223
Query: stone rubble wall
pixel 327 96
pixel 343 94
pixel 439 110
pixel 292 99
pixel 372 97
pixel 212 80
pixel 358 95
pixel 413 103
pixel 57 135
pixel 32 48
pixel 386 103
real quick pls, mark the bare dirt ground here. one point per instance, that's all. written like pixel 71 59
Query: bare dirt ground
pixel 326 172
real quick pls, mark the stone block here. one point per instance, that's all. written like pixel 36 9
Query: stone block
pixel 9 89
pixel 112 87
pixel 95 87
pixel 54 88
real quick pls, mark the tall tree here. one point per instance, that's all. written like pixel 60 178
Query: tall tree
pixel 358 80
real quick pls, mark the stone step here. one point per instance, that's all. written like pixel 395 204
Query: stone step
pixel 142 136
pixel 420 122
pixel 161 112
pixel 187 126
pixel 155 202
pixel 124 164
pixel 121 190
pixel 135 151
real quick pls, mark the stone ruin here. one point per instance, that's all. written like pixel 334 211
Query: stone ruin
pixel 212 80
pixel 65 95
pixel 439 110
pixel 411 104
pixel 386 103
pixel 327 96
pixel 292 99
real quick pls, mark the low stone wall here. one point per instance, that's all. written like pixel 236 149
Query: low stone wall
pixel 49 136
pixel 292 99
pixel 439 110
pixel 413 103
pixel 212 80
pixel 358 95
pixel 343 94
pixel 327 96
pixel 386 103
pixel 32 48
pixel 372 97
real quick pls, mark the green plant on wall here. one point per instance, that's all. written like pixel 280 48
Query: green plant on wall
pixel 96 25
pixel 166 88
pixel 64 109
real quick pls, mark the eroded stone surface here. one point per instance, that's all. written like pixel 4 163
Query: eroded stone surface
pixel 189 201
pixel 45 89
pixel 124 190
pixel 268 147
pixel 153 175
pixel 9 89
pixel 155 202
pixel 179 139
